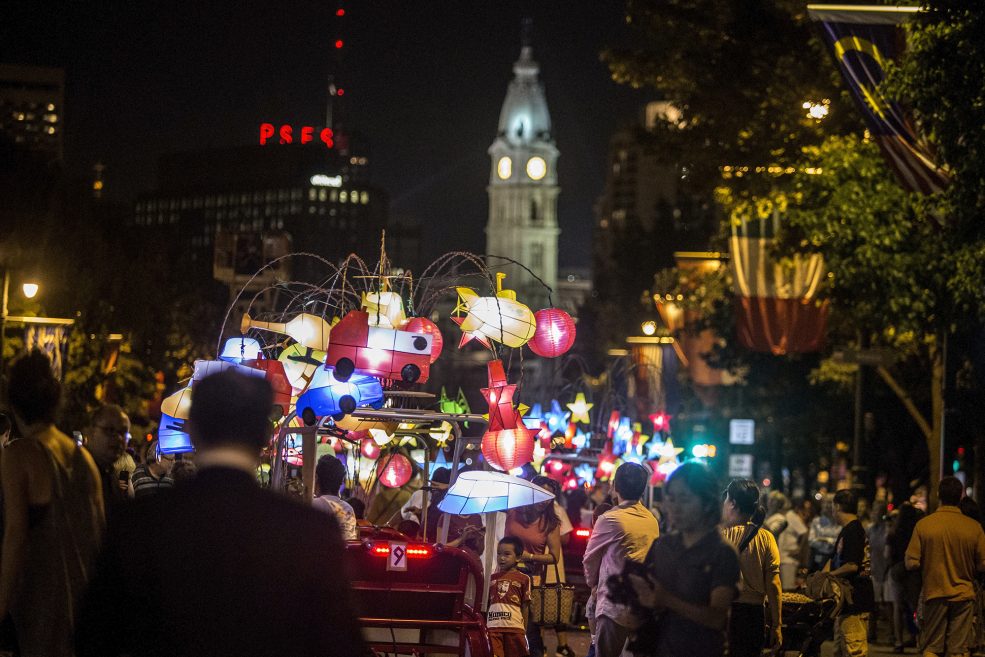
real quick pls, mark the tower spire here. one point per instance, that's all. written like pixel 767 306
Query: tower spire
pixel 526 32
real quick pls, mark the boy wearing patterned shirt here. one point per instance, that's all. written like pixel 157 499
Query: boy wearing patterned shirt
pixel 509 602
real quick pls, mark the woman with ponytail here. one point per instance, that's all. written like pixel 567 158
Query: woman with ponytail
pixel 759 564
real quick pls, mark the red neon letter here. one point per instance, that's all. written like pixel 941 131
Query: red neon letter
pixel 285 134
pixel 307 134
pixel 326 136
pixel 266 132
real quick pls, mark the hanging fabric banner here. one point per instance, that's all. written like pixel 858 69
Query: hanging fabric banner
pixel 775 307
pixel 863 40
pixel 52 340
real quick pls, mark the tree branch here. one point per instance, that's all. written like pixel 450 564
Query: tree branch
pixel 907 402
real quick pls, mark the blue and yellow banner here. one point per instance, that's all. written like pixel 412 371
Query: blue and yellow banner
pixel 863 40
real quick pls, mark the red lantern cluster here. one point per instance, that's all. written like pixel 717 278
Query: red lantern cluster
pixel 555 333
pixel 426 326
pixel 394 470
pixel 508 448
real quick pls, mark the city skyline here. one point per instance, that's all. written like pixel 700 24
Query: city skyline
pixel 428 99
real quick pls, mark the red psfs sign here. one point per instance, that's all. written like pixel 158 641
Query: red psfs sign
pixel 286 134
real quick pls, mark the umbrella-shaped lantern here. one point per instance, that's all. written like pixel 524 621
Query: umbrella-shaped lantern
pixel 487 493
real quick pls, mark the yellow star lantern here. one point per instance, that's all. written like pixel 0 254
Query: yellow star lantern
pixel 441 434
pixel 667 452
pixel 579 409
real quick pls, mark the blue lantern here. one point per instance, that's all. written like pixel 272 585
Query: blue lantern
pixel 172 437
pixel 236 350
pixel 534 417
pixel 557 420
pixel 326 395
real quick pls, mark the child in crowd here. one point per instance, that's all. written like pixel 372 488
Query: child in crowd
pixel 509 602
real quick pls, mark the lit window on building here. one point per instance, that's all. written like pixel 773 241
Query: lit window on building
pixel 51 118
pixel 334 196
pixel 364 198
pixel 50 130
pixel 51 107
pixel 344 196
pixel 311 209
pixel 322 195
pixel 312 194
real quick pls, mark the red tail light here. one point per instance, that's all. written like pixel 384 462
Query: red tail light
pixel 414 550
pixel 583 533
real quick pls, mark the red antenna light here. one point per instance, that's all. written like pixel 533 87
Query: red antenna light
pixel 339 44
pixel 340 12
pixel 340 92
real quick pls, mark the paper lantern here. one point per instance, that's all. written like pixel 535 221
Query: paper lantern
pixel 500 318
pixel 557 420
pixel 555 333
pixel 236 350
pixel 307 330
pixel 326 395
pixel 179 404
pixel 579 409
pixel 172 437
pixel 300 365
pixel 394 470
pixel 508 448
pixel 386 309
pixel 426 326
pixel 369 448
pixel 386 353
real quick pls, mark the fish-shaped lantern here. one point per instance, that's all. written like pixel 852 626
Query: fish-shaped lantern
pixel 499 318
pixel 306 329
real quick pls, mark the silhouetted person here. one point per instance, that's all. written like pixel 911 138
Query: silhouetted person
pixel 219 566
pixel 53 519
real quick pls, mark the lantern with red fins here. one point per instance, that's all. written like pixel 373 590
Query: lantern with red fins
pixel 394 470
pixel 555 333
pixel 506 444
pixel 426 326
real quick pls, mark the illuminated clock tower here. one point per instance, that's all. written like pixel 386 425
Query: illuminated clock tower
pixel 523 185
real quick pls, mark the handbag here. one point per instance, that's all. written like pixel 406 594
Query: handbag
pixel 550 604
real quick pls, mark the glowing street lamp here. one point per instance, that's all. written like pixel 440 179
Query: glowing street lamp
pixel 30 290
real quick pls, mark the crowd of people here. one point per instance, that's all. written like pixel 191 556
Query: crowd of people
pixel 107 552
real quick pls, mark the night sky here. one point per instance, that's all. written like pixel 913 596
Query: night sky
pixel 424 81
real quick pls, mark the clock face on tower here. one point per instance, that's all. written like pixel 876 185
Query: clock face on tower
pixel 536 168
pixel 504 168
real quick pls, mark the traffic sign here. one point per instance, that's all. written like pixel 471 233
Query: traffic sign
pixel 742 432
pixel 740 465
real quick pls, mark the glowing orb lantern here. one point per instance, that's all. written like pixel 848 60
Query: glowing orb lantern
pixel 555 333
pixel 508 448
pixel 394 471
pixel 426 326
pixel 369 448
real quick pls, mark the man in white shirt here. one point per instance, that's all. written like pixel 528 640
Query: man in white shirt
pixel 793 543
pixel 625 532
pixel 329 477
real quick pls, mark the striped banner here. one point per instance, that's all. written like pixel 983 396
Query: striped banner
pixel 863 39
pixel 775 307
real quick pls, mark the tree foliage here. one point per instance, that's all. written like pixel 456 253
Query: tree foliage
pixel 740 73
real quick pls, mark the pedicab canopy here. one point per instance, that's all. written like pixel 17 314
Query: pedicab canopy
pixel 488 492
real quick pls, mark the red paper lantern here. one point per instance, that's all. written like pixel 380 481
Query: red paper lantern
pixel 426 326
pixel 394 470
pixel 508 448
pixel 369 448
pixel 555 333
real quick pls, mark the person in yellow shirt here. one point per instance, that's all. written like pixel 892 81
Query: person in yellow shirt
pixel 948 548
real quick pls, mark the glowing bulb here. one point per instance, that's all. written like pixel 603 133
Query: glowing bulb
pixel 31 290
pixel 649 328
